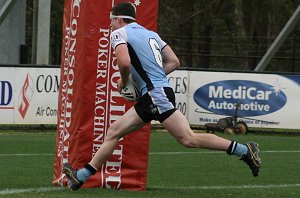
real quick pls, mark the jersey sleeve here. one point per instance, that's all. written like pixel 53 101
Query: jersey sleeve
pixel 118 37
pixel 161 43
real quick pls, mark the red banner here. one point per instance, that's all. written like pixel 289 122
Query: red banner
pixel 89 102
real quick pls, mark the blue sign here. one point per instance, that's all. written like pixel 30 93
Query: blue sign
pixel 254 98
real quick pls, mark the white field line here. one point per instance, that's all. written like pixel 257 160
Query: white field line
pixel 49 189
pixel 151 153
pixel 28 190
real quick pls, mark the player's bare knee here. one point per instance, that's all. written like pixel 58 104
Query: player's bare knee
pixel 112 134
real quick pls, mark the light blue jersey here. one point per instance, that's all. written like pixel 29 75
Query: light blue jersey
pixel 145 52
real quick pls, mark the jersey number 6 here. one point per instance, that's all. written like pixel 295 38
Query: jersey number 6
pixel 156 51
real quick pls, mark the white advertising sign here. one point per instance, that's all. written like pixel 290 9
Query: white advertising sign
pixel 179 82
pixel 28 95
pixel 265 100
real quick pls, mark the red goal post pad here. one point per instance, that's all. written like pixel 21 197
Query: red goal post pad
pixel 88 99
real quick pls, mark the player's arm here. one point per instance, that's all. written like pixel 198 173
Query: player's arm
pixel 170 60
pixel 124 63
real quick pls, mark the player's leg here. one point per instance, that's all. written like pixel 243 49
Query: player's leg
pixel 128 123
pixel 178 127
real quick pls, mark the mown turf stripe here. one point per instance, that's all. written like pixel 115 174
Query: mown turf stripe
pixel 215 152
pixel 28 190
pixel 152 153
pixel 226 187
pixel 26 154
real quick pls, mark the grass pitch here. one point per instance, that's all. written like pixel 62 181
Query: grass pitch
pixel 26 169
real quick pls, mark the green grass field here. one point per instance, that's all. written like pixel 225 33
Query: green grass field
pixel 26 169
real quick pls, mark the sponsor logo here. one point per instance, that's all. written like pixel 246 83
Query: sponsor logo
pixel 25 96
pixel 47 83
pixel 6 93
pixel 67 87
pixel 255 98
pixel 108 108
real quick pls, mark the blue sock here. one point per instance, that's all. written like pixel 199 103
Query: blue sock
pixel 240 150
pixel 237 149
pixel 83 174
